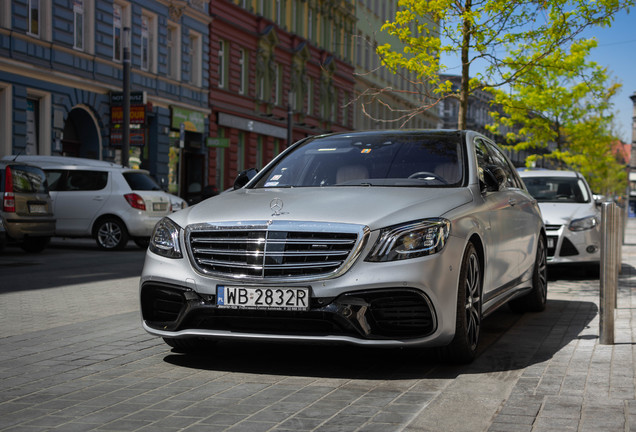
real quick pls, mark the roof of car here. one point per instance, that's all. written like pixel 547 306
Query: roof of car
pixel 547 173
pixel 63 161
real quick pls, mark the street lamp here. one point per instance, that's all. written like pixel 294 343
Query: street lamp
pixel 125 147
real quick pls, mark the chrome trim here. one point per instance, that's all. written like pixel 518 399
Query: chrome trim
pixel 361 232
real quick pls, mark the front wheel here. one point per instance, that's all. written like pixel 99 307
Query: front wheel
pixel 536 299
pixel 111 234
pixel 463 347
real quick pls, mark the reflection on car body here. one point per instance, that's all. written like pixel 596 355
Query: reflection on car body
pixel 571 216
pixel 387 238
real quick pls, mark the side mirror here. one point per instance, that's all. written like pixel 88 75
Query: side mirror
pixel 494 177
pixel 244 177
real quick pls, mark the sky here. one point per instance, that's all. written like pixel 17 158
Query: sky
pixel 616 51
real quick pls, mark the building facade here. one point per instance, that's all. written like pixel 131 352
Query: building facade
pixel 279 71
pixel 61 78
pixel 383 98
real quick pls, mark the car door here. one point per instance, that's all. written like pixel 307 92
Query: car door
pixel 78 196
pixel 502 237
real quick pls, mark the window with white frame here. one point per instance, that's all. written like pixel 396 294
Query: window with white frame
pixel 6 125
pixel 145 43
pixel 195 49
pixel 242 71
pixel 310 93
pixel 222 63
pixel 38 117
pixel 277 85
pixel 78 25
pixel 5 13
pixel 173 42
pixel 148 42
pixel 118 30
pixel 35 16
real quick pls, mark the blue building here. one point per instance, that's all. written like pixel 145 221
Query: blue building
pixel 61 78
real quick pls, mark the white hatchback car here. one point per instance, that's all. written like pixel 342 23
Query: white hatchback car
pixel 102 200
pixel 572 218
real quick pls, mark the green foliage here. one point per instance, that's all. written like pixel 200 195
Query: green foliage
pixel 535 64
pixel 496 33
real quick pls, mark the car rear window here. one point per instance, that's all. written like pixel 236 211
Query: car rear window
pixel 141 181
pixel 557 189
pixel 27 179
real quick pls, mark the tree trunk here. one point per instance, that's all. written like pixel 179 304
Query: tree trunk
pixel 463 90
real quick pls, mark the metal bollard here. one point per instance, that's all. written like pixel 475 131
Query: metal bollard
pixel 608 274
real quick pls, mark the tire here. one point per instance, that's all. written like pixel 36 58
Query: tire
pixel 111 234
pixel 188 345
pixel 463 347
pixel 537 298
pixel 35 244
pixel 142 242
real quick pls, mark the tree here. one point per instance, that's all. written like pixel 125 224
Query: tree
pixel 563 105
pixel 492 32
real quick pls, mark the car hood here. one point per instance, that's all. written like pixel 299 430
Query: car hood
pixel 563 213
pixel 374 207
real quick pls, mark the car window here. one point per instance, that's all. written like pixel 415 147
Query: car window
pixel 27 179
pixel 80 180
pixel 434 160
pixel 488 155
pixel 141 181
pixel 557 189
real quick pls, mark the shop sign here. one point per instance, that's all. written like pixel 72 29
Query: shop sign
pixel 137 108
pixel 193 121
pixel 218 142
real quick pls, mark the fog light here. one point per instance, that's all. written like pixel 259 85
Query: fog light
pixel 591 249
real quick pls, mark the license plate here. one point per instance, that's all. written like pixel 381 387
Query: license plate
pixel 159 206
pixel 276 298
pixel 37 208
pixel 551 241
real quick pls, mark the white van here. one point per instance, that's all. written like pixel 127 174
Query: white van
pixel 102 200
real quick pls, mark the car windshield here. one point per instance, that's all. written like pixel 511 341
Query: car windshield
pixel 431 160
pixel 140 181
pixel 557 189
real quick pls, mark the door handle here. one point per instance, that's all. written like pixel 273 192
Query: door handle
pixel 512 202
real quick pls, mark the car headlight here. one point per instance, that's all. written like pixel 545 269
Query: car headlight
pixel 583 224
pixel 411 240
pixel 165 239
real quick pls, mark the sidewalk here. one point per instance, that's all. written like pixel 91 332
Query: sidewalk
pixel 574 383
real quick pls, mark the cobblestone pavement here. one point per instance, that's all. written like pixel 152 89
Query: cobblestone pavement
pixel 74 358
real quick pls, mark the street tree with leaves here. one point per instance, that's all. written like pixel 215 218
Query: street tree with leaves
pixel 562 106
pixel 491 33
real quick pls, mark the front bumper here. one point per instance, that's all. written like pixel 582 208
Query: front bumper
pixel 409 302
pixel 565 246
pixel 376 315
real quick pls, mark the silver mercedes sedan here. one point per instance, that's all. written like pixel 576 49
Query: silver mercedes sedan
pixel 384 238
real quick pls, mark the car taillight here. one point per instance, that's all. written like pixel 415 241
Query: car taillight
pixel 135 201
pixel 8 201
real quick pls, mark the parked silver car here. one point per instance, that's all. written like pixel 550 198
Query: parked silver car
pixel 103 200
pixel 386 238
pixel 571 216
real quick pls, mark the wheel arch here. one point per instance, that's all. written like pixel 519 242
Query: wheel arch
pixel 103 217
